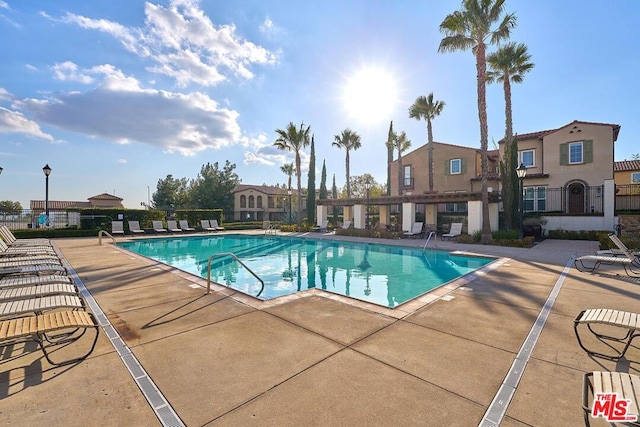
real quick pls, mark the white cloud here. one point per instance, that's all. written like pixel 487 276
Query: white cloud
pixel 122 161
pixel 120 110
pixel 184 44
pixel 4 5
pixel 68 71
pixel 15 122
pixel 31 67
pixel 269 28
pixel 5 95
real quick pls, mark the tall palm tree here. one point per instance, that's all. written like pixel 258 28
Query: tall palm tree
pixel 349 140
pixel 509 64
pixel 289 169
pixel 294 139
pixel 470 28
pixel 400 143
pixel 425 108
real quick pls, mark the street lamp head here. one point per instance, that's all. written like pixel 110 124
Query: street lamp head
pixel 1 169
pixel 47 170
pixel 367 183
pixel 289 191
pixel 521 171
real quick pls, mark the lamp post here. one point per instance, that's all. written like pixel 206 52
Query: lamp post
pixel 367 186
pixel 1 170
pixel 521 171
pixel 289 193
pixel 47 171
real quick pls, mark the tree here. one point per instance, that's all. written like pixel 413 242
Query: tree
pixel 471 29
pixel 311 185
pixel 400 143
pixel 323 183
pixel 289 169
pixel 389 156
pixel 213 187
pixel 7 207
pixel 292 139
pixel 334 195
pixel 425 108
pixel 170 193
pixel 509 64
pixel 349 140
pixel 360 191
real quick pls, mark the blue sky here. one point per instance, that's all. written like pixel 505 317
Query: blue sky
pixel 116 94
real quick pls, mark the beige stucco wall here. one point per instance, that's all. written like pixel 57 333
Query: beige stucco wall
pixel 623 177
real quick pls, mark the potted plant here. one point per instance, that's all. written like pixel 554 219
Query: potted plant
pixel 532 226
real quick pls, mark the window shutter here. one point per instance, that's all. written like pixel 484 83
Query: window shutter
pixel 463 165
pixel 447 167
pixel 588 151
pixel 564 154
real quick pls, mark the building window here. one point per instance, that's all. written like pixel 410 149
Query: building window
pixel 635 177
pixel 252 201
pixel 407 176
pixel 270 202
pixel 259 202
pixel 243 201
pixel 455 166
pixel 527 158
pixel 535 199
pixel 575 152
pixel 456 207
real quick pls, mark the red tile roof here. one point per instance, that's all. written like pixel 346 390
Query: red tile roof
pixel 626 165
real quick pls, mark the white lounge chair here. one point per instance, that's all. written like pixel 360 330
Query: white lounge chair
pixel 184 224
pixel 214 224
pixel 37 291
pixel 346 224
pixel 134 227
pixel 158 227
pixel 322 227
pixel 626 387
pixel 12 241
pixel 627 323
pixel 598 260
pixel 7 252
pixel 173 227
pixel 18 282
pixel 416 230
pixel 204 223
pixel 455 230
pixel 117 227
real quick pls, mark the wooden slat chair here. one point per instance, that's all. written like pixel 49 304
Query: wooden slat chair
pixel 69 326
pixel 626 386
pixel 6 251
pixel 28 261
pixel 11 240
pixel 628 324
pixel 18 308
pixel 33 270
pixel 26 292
pixel 17 282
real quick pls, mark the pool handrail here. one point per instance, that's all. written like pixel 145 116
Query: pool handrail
pixel 232 255
pixel 431 233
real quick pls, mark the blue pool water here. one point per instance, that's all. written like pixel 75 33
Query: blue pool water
pixel 380 274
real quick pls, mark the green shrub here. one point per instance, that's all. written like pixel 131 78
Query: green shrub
pixel 505 235
pixel 576 235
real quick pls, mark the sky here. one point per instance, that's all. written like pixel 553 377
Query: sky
pixel 115 95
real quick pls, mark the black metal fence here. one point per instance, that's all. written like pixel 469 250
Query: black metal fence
pixel 628 198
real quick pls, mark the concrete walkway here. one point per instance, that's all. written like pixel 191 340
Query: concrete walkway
pixel 224 359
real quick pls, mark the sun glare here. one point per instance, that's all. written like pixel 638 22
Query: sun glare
pixel 370 95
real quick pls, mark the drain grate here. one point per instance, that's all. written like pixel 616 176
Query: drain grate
pixel 157 401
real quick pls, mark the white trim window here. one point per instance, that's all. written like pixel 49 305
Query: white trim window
pixel 455 166
pixel 576 153
pixel 535 199
pixel 635 177
pixel 527 158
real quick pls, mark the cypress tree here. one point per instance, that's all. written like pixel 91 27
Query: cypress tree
pixel 311 185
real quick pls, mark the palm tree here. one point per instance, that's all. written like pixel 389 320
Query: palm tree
pixel 349 140
pixel 471 29
pixel 289 169
pixel 509 64
pixel 400 143
pixel 292 139
pixel 426 108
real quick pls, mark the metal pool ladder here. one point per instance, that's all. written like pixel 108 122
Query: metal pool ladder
pixel 435 239
pixel 232 255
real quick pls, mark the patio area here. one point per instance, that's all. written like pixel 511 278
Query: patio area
pixel 313 359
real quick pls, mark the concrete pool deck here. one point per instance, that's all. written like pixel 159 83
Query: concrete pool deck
pixel 225 359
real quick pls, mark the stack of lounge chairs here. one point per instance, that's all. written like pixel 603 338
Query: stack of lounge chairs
pixel 38 300
pixel 608 333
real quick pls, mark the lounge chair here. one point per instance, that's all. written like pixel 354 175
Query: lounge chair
pixel 627 323
pixel 36 328
pixel 6 251
pixel 598 260
pixel 38 305
pixel 184 224
pixel 625 387
pixel 346 225
pixel 214 224
pixel 322 227
pixel 623 250
pixel 17 282
pixel 134 227
pixel 25 261
pixel 416 230
pixel 172 226
pixel 33 269
pixel 455 230
pixel 158 227
pixel 204 223
pixel 117 227
pixel 11 240
pixel 27 292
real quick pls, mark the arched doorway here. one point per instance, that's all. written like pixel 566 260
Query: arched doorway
pixel 575 198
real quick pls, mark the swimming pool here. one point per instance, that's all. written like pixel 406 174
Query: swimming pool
pixel 381 274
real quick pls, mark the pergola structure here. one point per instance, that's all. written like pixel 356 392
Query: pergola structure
pixel 355 208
